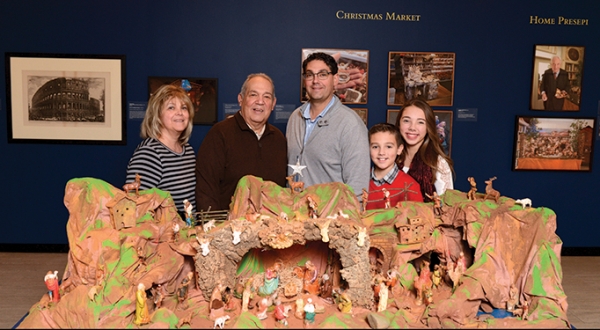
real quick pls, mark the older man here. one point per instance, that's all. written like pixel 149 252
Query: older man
pixel 245 144
pixel 327 137
pixel 555 83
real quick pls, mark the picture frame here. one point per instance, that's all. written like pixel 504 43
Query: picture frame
pixel 363 113
pixel 557 93
pixel 353 68
pixel 66 98
pixel 202 91
pixel 427 75
pixel 392 115
pixel 445 125
pixel 553 144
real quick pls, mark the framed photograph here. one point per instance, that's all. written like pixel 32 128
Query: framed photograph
pixel 392 115
pixel 556 82
pixel 202 92
pixel 425 75
pixel 363 113
pixel 64 98
pixel 553 144
pixel 353 68
pixel 444 123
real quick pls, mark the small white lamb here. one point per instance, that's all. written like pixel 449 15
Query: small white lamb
pixel 525 202
pixel 220 322
pixel 204 245
pixel 209 225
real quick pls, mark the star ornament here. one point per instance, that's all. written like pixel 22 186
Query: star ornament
pixel 297 168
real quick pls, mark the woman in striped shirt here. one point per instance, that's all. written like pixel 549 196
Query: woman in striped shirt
pixel 165 159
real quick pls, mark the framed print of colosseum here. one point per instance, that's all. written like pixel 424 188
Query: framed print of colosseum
pixel 65 98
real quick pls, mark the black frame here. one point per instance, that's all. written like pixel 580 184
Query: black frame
pixel 105 123
pixel 566 143
pixel 207 113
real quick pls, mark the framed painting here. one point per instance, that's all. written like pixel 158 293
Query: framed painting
pixel 363 113
pixel 64 98
pixel 556 81
pixel 425 75
pixel 202 92
pixel 444 125
pixel 353 68
pixel 553 144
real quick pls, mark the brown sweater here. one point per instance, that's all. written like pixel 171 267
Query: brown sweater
pixel 232 150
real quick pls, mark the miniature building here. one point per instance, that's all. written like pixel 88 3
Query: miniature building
pixel 123 213
pixel 412 233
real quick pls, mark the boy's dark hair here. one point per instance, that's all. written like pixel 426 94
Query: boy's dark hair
pixel 328 59
pixel 385 127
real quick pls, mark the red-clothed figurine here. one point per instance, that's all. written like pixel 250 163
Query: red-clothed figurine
pixel 281 313
pixel 51 280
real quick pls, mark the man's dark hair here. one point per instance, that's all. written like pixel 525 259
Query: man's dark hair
pixel 328 59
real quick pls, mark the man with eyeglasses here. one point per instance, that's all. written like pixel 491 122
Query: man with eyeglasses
pixel 326 136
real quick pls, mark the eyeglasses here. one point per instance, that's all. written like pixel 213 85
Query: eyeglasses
pixel 322 75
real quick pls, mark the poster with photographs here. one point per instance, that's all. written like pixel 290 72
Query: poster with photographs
pixel 425 75
pixel 353 68
pixel 363 113
pixel 558 144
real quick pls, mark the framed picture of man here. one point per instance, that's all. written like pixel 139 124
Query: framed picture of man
pixel 556 83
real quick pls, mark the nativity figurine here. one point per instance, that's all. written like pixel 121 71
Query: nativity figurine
pixel 311 285
pixel 51 280
pixel 271 281
pixel 309 312
pixel 141 307
pixel 183 290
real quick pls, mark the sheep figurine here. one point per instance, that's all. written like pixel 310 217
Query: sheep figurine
pixel 220 322
pixel 525 202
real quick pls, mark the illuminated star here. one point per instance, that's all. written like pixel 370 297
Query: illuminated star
pixel 297 168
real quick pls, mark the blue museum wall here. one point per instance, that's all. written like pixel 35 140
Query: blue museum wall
pixel 493 43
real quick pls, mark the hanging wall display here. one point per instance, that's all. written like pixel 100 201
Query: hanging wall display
pixel 363 113
pixel 553 144
pixel 65 98
pixel 556 84
pixel 202 92
pixel 444 125
pixel 429 76
pixel 353 68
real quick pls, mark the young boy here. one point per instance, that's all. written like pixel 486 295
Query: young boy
pixel 388 184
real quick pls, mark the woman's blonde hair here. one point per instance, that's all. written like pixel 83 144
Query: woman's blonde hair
pixel 152 125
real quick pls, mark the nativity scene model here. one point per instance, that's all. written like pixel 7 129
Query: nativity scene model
pixel 305 257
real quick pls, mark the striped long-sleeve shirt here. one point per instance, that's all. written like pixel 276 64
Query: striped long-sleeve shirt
pixel 166 170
